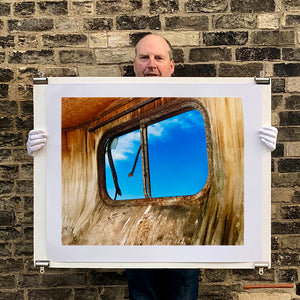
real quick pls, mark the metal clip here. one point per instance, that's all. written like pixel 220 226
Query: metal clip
pixel 42 264
pixel 40 80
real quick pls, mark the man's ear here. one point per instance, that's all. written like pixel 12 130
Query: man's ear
pixel 172 66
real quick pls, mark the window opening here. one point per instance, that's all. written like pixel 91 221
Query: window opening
pixel 167 158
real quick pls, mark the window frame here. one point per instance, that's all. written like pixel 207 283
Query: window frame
pixel 167 110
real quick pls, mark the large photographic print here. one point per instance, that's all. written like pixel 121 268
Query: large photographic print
pixel 152 171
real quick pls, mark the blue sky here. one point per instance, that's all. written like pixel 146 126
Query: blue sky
pixel 177 158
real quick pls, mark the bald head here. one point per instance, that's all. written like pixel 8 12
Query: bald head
pixel 153 57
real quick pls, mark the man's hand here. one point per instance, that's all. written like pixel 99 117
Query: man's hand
pixel 37 139
pixel 268 135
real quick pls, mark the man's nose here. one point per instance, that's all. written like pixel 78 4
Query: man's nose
pixel 151 62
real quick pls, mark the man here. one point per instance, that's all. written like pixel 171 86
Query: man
pixel 154 58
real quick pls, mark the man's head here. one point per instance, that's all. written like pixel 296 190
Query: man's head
pixel 153 57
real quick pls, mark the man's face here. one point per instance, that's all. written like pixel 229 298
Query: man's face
pixel 152 58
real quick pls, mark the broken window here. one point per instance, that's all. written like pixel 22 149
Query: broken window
pixel 164 158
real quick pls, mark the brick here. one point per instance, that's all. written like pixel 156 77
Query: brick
pixel 251 6
pixel 4 9
pixel 292 20
pixel 8 139
pixel 114 292
pixel 24 123
pixel 298 289
pixel 287 275
pixel 24 9
pixel 215 275
pixel 285 227
pixel 288 118
pixel 2 57
pixel 12 203
pixel 249 275
pixel 9 233
pixel 265 296
pixel 225 38
pixel 279 151
pixel 53 8
pixel 278 85
pixel 187 23
pixel 24 186
pixel 6 75
pixel 46 294
pixel 9 172
pixel 291 243
pixel 178 56
pixel 27 41
pixel 32 57
pixel 164 6
pixel 117 39
pixel 98 40
pixel 196 6
pixel 138 22
pixel 82 8
pixel 268 21
pixel 21 155
pixel 7 282
pixel 184 38
pixel 28 233
pixel 296 197
pixel 273 38
pixel 287 69
pixel 67 25
pixel 57 280
pixel 27 73
pixel 12 295
pixel 8 107
pixel 257 54
pixel 64 40
pixel 25 91
pixel 26 171
pixel 117 6
pixel 292 85
pixel 234 21
pixel 95 24
pixel 10 265
pixel 293 149
pixel 276 101
pixel 7 41
pixel 108 278
pixel 108 56
pixel 291 54
pixel 288 133
pixel 289 165
pixel 291 5
pixel 87 294
pixel 5 154
pixel 290 212
pixel 195 70
pixel 7 218
pixel 244 70
pixel 95 71
pixel 28 280
pixel 284 259
pixel 219 292
pixel 6 187
pixel 30 25
pixel 59 72
pixel 23 249
pixel 209 54
pixel 76 56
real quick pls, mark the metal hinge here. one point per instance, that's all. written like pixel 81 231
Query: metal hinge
pixel 42 264
pixel 40 80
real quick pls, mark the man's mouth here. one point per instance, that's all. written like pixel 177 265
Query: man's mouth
pixel 151 75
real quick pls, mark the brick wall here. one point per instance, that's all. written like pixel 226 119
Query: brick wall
pixel 95 38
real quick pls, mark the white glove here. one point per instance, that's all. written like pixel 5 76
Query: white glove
pixel 268 135
pixel 37 139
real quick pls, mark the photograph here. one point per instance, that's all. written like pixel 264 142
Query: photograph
pixel 146 171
